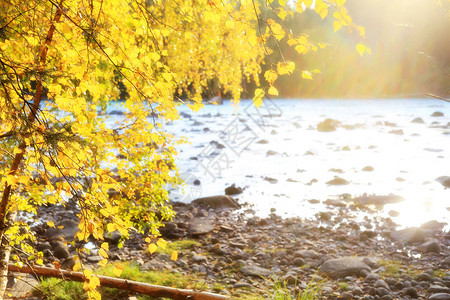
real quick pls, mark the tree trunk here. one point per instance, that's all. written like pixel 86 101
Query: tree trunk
pixel 123 284
pixel 13 170
pixel 5 251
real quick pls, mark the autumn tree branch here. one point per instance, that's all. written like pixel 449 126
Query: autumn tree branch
pixel 123 284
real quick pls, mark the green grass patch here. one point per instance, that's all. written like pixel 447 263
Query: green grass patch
pixel 178 246
pixel 395 269
pixel 57 289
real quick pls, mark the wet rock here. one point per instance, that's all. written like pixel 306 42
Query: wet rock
pixel 394 213
pixel 368 169
pixel 410 291
pixel 199 226
pixel 233 190
pixel 42 246
pixel 338 181
pixel 217 202
pixel 378 199
pixel 271 180
pixel 68 231
pixel 417 120
pixel 217 144
pixel 307 254
pixel 440 296
pixel 271 153
pixel 61 250
pixel 431 246
pixel 437 114
pixel 241 285
pixel 256 271
pixel 438 289
pixel 335 202
pixel 343 267
pixel 444 180
pixel 409 235
pixel 328 125
pixel 199 259
pixel 94 258
pixel 397 131
pixel 423 277
pixel 113 238
pixel 381 283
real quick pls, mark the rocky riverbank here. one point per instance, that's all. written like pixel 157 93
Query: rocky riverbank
pixel 351 258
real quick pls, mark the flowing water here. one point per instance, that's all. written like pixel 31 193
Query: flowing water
pixel 282 160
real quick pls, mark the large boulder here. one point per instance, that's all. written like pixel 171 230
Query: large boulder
pixel 343 267
pixel 217 202
pixel 409 235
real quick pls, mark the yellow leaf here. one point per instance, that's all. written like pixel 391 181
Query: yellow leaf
pixel 321 8
pixel 51 224
pixel 270 76
pixel 299 7
pixel 110 227
pixel 152 248
pixel 103 262
pixel 362 31
pixel 272 91
pixel 39 261
pixel 174 255
pixel 308 3
pixel 161 243
pixel 77 267
pixel 340 2
pixel 322 45
pixel 306 75
pixel 118 269
pixel 258 99
pixel 286 67
pixel 105 246
pixel 361 49
pixel 317 71
pixel 337 25
pixel 102 253
pixel 87 273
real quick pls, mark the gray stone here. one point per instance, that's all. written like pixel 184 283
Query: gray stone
pixel 418 120
pixel 199 258
pixel 328 125
pixel 410 291
pixel 431 246
pixel 338 181
pixel 382 283
pixel 256 271
pixel 438 289
pixel 305 254
pixel 241 285
pixel 342 267
pixel 233 190
pixel 61 251
pixel 437 114
pixel 68 231
pixel 200 226
pixel 440 296
pixel 409 235
pixel 94 258
pixel 217 202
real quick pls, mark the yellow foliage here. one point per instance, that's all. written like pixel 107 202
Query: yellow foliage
pixel 85 57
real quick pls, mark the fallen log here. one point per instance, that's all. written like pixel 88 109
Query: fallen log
pixel 123 284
